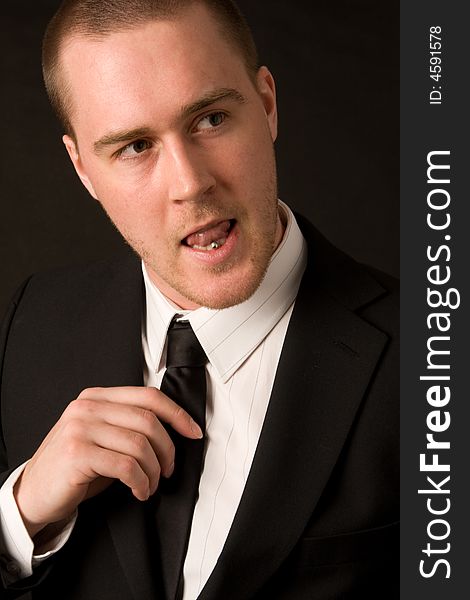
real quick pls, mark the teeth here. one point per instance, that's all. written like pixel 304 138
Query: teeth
pixel 212 246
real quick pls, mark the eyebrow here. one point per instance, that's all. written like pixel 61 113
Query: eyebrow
pixel 212 98
pixel 128 135
pixel 118 137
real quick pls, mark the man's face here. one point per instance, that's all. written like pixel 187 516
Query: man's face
pixel 176 142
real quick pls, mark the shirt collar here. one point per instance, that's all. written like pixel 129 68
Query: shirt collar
pixel 230 335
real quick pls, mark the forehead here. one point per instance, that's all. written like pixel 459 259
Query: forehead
pixel 163 64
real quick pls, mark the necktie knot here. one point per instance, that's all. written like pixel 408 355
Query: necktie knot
pixel 183 348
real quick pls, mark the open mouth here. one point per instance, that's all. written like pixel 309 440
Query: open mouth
pixel 211 237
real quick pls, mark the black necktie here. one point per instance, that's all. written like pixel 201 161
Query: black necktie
pixel 185 383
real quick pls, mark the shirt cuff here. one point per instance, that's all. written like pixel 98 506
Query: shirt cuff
pixel 18 547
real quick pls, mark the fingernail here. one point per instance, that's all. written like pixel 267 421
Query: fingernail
pixel 170 470
pixel 195 428
pixel 143 498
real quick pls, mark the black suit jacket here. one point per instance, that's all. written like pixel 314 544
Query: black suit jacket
pixel 318 517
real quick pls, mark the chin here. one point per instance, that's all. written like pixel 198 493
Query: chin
pixel 225 294
pixel 217 288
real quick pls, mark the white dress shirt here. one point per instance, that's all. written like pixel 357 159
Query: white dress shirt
pixel 243 344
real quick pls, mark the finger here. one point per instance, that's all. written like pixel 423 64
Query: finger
pixel 88 413
pixel 107 463
pixel 152 399
pixel 129 443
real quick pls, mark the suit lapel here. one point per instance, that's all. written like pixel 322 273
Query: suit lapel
pixel 133 536
pixel 91 337
pixel 327 361
pixel 116 360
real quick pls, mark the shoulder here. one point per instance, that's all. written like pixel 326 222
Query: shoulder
pixel 120 267
pixel 80 284
pixel 365 290
pixel 74 303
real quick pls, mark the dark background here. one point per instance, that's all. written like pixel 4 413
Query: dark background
pixel 336 67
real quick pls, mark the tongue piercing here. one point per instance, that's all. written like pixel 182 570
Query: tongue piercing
pixel 212 246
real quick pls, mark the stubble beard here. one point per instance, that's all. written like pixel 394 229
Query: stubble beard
pixel 230 292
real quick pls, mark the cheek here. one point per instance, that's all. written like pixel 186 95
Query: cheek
pixel 122 193
pixel 247 165
pixel 259 150
pixel 131 198
pixel 126 208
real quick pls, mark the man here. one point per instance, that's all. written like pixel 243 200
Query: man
pixel 170 125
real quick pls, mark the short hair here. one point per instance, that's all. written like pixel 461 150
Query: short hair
pixel 99 18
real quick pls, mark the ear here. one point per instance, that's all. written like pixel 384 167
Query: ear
pixel 267 91
pixel 77 163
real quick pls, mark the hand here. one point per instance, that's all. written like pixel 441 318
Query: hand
pixel 105 434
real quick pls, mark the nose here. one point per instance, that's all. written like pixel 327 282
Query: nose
pixel 187 171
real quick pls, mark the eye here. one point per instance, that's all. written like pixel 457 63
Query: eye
pixel 211 121
pixel 134 149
